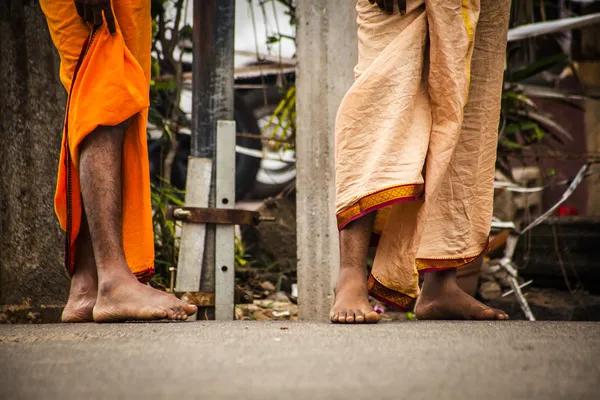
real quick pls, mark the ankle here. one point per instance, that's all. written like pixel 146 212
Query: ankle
pixel 352 275
pixel 111 282
pixel 83 287
pixel 436 281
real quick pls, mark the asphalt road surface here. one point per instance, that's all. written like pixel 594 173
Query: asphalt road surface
pixel 300 360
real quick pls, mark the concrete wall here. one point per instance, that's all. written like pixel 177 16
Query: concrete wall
pixel 327 53
pixel 31 118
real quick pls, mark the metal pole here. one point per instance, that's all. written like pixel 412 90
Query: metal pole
pixel 212 73
pixel 212 100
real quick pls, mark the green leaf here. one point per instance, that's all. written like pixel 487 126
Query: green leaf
pixel 272 39
pixel 511 144
pixel 535 68
pixel 518 97
pixel 548 123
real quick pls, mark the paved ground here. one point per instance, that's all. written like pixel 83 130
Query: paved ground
pixel 275 360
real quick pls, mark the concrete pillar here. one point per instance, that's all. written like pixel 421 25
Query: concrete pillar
pixel 31 118
pixel 327 53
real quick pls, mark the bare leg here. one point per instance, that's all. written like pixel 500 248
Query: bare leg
pixel 351 294
pixel 84 282
pixel 120 296
pixel 441 298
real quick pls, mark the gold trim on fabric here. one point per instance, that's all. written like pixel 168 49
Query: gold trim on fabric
pixel 423 264
pixel 387 295
pixel 372 201
pixel 404 301
pixel 445 263
pixel 471 36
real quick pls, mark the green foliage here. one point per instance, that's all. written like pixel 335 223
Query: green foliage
pixel 166 242
pixel 242 258
pixel 281 127
pixel 164 114
pixel 535 68
pixel 522 124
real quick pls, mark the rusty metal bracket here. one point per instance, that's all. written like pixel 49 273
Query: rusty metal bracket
pixel 215 216
pixel 207 299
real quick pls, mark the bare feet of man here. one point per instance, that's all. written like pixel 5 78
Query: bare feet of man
pixel 351 294
pixel 441 298
pixel 121 298
pixel 351 299
pixel 84 282
pixel 82 297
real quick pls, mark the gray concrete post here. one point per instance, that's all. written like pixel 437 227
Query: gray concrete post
pixel 327 53
pixel 32 114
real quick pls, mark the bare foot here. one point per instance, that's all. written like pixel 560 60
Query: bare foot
pixel 441 298
pixel 351 294
pixel 351 299
pixel 125 299
pixel 84 282
pixel 82 298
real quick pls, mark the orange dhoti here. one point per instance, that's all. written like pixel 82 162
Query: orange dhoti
pixel 416 136
pixel 108 80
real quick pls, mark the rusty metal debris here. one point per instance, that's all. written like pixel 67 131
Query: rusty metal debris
pixel 216 216
pixel 207 299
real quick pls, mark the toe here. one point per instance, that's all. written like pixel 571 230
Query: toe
pixel 190 309
pixel 171 314
pixel 372 317
pixel 350 318
pixel 359 318
pixel 342 318
pixel 336 317
pixel 161 314
pixel 501 315
pixel 488 313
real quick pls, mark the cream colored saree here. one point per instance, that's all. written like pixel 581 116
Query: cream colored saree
pixel 416 136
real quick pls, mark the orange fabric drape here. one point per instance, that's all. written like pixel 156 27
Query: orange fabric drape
pixel 108 83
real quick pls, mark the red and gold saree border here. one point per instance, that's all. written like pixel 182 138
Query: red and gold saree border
pixel 389 296
pixel 380 199
pixel 403 302
pixel 436 264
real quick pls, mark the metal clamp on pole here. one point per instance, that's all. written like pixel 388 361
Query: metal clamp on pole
pixel 221 216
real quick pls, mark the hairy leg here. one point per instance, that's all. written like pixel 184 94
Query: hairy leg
pixel 351 294
pixel 120 296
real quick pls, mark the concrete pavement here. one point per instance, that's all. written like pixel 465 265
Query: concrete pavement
pixel 297 360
